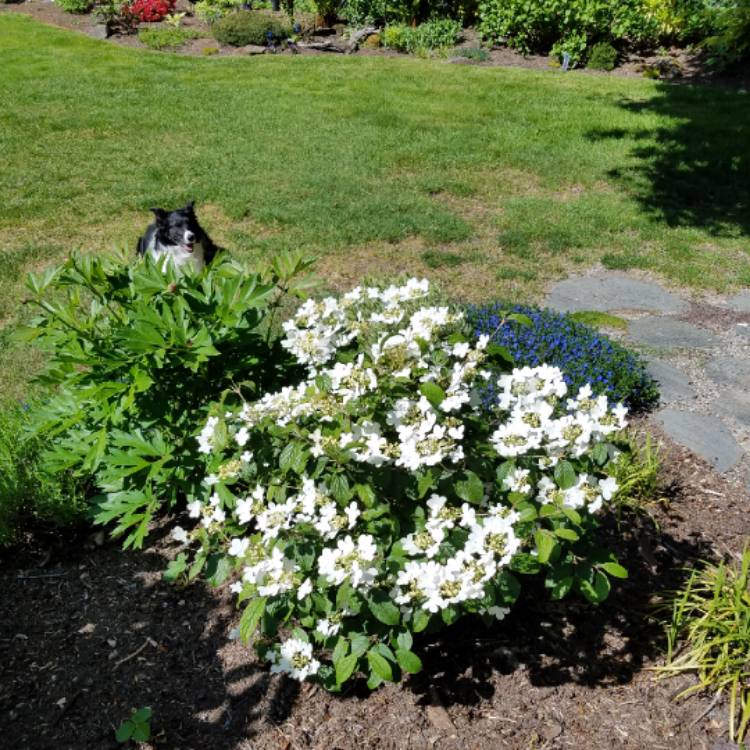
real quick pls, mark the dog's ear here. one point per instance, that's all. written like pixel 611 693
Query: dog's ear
pixel 160 214
pixel 190 208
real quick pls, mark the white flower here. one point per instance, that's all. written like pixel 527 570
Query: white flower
pixel 207 434
pixel 349 560
pixel 327 628
pixel 180 535
pixel 305 589
pixel 608 487
pixel 295 658
pixel 195 508
pixel 238 547
pixel 242 436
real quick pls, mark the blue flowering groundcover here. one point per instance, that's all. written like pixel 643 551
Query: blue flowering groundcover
pixel 582 353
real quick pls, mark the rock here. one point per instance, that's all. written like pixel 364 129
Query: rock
pixel 668 333
pixel 706 436
pixel 612 292
pixel 673 383
pixel 740 301
pixel 729 371
pixel 742 330
pixel 252 49
pixel 99 31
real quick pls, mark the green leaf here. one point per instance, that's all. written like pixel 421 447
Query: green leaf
pixel 449 615
pixel 615 570
pixel 600 454
pixel 340 651
pixel 404 640
pixel 561 587
pixel 568 534
pixel 384 609
pixel 525 563
pixel 141 733
pixel 545 545
pixel 338 484
pixel 420 620
pixel 433 393
pixel 565 475
pixel 345 668
pixel 408 661
pixel 470 489
pixel 360 643
pixel 366 494
pixel 374 680
pixel 520 318
pixel 175 568
pixel 142 715
pixel 597 591
pixel 218 568
pixel 379 665
pixel 251 617
pixel 125 731
pixel 425 483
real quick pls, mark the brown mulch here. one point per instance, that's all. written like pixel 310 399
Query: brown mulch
pixel 89 632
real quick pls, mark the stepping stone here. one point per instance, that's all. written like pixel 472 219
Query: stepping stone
pixel 612 292
pixel 673 383
pixel 742 330
pixel 730 371
pixel 705 435
pixel 668 333
pixel 740 301
pixel 734 403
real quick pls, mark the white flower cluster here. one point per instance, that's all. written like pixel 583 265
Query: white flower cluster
pixel 531 396
pixel 433 585
pixel 391 385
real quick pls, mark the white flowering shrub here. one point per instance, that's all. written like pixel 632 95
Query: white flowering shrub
pixel 380 497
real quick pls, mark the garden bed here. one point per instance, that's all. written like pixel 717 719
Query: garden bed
pixel 94 633
pixel 675 64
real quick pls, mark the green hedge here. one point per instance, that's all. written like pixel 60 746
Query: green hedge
pixel 242 28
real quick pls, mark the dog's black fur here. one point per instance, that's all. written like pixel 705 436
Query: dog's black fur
pixel 177 235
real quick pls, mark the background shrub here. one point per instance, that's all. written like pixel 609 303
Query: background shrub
pixel 427 37
pixel 603 56
pixel 536 25
pixel 150 11
pixel 167 38
pixel 582 353
pixel 729 41
pixel 136 355
pixel 241 28
pixel 30 495
pixel 212 10
pixel 75 6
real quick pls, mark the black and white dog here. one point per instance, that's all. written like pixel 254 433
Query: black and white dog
pixel 177 236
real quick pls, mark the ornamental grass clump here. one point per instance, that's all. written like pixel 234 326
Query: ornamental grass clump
pixel 377 498
pixel 584 355
pixel 709 635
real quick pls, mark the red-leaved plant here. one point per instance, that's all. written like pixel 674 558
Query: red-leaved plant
pixel 149 11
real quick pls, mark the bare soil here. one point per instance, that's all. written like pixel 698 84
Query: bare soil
pixel 674 65
pixel 90 632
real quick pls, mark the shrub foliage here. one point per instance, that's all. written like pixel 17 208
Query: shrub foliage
pixel 376 498
pixel 136 354
pixel 242 28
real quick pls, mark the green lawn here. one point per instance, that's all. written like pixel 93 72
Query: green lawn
pixel 493 180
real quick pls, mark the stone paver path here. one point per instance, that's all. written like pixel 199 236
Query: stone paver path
pixel 698 350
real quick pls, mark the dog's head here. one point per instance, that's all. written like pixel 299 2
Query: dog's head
pixel 177 228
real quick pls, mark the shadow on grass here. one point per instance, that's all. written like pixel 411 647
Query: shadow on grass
pixel 694 171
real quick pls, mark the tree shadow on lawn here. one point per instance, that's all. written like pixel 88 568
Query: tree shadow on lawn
pixel 566 642
pixel 694 170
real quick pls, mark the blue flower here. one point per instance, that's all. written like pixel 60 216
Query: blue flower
pixel 582 353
